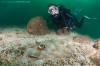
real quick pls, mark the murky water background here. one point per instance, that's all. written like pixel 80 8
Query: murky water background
pixel 14 12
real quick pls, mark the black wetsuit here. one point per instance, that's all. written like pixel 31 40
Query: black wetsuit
pixel 66 19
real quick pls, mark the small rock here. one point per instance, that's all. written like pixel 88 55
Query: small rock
pixel 97 44
pixel 96 58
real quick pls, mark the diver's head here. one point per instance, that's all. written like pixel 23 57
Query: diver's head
pixel 53 9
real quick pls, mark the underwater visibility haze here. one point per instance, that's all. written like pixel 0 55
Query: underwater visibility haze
pixel 13 12
pixel 28 36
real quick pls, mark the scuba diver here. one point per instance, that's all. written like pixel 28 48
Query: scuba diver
pixel 64 19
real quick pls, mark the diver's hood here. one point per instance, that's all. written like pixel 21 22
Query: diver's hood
pixel 53 10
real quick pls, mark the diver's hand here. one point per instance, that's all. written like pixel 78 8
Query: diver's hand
pixel 60 32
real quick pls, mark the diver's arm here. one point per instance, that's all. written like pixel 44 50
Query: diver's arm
pixel 69 15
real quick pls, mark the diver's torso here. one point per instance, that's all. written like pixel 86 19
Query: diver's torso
pixel 60 20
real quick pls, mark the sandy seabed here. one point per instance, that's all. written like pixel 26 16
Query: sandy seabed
pixel 18 48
